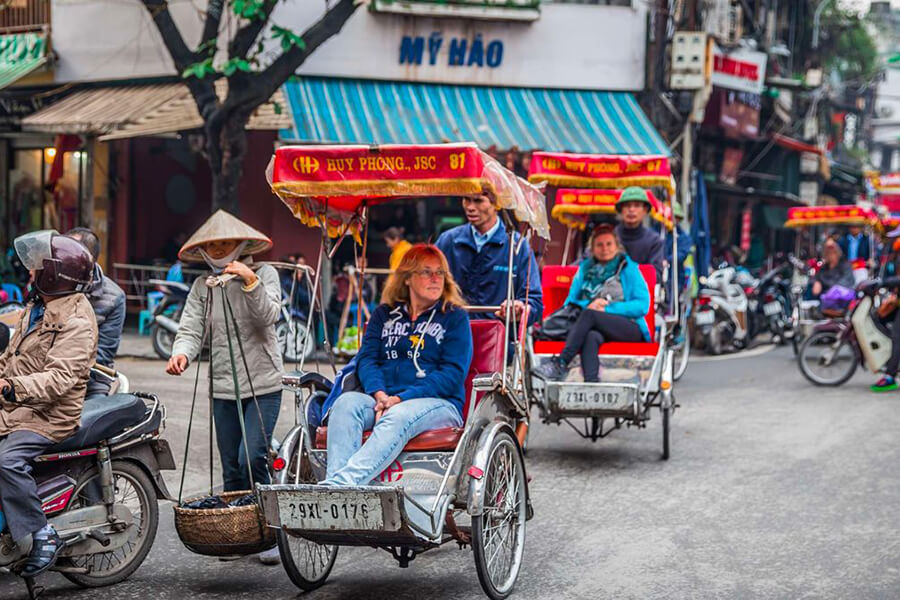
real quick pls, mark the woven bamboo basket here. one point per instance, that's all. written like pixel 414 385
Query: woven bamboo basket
pixel 238 530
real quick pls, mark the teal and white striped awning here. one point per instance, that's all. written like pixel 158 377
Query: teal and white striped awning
pixel 346 111
pixel 20 54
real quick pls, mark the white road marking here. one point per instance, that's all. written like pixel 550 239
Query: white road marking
pixel 745 354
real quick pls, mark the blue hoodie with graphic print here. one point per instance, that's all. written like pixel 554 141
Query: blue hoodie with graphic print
pixel 385 358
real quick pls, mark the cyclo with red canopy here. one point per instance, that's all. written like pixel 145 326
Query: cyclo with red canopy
pixel 463 484
pixel 638 376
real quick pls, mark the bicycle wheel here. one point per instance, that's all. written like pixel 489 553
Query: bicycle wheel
pixel 825 359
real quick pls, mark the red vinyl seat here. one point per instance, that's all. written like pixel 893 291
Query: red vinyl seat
pixel 556 281
pixel 488 339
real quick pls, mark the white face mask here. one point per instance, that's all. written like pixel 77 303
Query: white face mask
pixel 218 264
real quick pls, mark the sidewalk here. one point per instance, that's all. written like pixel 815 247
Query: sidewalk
pixel 136 346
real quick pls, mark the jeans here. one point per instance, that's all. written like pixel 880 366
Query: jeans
pixel 18 490
pixel 231 444
pixel 350 462
pixel 591 329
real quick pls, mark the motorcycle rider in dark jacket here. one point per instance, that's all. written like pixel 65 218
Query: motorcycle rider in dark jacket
pixel 108 302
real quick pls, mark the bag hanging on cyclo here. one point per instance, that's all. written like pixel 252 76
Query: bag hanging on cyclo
pixel 556 326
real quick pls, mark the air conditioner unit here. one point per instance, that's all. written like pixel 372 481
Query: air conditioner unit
pixel 690 61
pixel 724 21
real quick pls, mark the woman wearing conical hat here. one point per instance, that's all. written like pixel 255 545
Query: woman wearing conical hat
pixel 226 244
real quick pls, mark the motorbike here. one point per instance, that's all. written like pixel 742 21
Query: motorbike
pixel 167 314
pixel 836 348
pixel 720 318
pixel 100 489
pixel 770 305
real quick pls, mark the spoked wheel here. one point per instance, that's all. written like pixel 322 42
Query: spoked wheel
pixel 306 563
pixel 825 359
pixel 133 489
pixel 498 535
pixel 682 354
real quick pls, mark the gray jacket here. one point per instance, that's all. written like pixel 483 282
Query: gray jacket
pixel 256 313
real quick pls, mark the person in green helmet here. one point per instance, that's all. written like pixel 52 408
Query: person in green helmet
pixel 642 244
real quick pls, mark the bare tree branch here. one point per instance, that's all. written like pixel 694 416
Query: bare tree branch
pixel 245 37
pixel 213 17
pixel 203 90
pixel 262 85
pixel 171 36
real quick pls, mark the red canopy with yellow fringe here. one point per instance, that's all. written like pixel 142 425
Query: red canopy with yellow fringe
pixel 606 171
pixel 327 186
pixel 574 206
pixel 807 216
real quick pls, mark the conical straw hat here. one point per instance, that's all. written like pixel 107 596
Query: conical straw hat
pixel 224 226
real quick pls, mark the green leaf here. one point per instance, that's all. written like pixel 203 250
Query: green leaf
pixel 235 64
pixel 277 107
pixel 288 38
pixel 199 69
pixel 248 9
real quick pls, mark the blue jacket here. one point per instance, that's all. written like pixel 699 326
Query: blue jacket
pixel 385 358
pixel 482 275
pixel 637 296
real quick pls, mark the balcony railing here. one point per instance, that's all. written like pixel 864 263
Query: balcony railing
pixel 24 15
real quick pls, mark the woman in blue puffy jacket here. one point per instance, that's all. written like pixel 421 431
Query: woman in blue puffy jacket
pixel 615 299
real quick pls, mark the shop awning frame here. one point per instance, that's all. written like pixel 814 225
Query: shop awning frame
pixel 330 110
pixel 141 110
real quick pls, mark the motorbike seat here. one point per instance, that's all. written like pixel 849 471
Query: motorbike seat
pixel 102 418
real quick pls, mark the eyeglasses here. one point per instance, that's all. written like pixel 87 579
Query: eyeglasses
pixel 429 274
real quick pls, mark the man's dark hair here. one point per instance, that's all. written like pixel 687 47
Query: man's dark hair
pixel 88 238
pixel 393 233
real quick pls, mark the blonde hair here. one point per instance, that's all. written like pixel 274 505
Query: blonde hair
pixel 396 290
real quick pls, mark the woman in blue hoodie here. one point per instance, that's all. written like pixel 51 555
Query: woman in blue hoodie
pixel 412 366
pixel 615 298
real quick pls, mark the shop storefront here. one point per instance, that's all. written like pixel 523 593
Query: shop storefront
pixel 562 82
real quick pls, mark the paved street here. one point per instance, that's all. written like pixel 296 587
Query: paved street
pixel 775 490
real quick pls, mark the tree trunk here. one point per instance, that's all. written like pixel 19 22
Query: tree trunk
pixel 227 162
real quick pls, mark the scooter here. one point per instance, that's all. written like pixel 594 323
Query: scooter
pixel 167 314
pixel 721 315
pixel 834 350
pixel 99 489
pixel 769 303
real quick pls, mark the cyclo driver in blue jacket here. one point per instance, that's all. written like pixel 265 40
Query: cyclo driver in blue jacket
pixel 412 366
pixel 478 253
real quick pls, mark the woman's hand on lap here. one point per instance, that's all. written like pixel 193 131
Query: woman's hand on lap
pixel 599 304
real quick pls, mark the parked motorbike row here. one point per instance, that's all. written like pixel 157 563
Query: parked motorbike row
pixel 733 308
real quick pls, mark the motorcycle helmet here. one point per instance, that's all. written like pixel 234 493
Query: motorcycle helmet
pixel 61 265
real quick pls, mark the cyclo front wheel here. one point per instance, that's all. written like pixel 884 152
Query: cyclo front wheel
pixel 498 534
pixel 826 359
pixel 306 563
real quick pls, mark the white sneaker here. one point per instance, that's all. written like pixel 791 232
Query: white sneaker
pixel 270 557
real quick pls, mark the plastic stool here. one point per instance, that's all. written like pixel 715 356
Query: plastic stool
pixel 145 320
